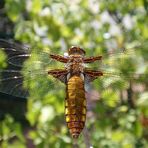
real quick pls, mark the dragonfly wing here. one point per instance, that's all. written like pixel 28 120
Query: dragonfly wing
pixel 14 83
pixel 11 82
pixel 113 58
pixel 91 75
pixel 60 74
pixel 16 53
pixel 17 47
pixel 24 67
pixel 114 88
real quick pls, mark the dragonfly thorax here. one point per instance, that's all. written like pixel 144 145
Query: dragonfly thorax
pixel 75 65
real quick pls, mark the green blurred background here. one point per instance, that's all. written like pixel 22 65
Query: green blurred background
pixel 117 107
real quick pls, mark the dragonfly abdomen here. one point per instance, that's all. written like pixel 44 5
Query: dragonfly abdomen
pixel 75 106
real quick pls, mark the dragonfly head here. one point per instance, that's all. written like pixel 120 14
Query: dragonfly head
pixel 76 50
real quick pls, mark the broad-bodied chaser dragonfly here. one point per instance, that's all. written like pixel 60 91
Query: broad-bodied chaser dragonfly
pixel 75 74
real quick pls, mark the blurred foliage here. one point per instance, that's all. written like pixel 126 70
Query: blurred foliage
pixel 2 59
pixel 11 130
pixel 99 27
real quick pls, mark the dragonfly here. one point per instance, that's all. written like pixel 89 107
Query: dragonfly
pixel 76 72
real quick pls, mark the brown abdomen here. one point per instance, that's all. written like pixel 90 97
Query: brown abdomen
pixel 75 106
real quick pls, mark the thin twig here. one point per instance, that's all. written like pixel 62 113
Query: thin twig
pixel 75 143
pixel 87 138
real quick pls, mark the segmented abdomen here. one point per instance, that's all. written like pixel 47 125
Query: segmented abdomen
pixel 75 106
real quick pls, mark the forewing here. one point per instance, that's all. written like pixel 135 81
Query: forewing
pixel 111 57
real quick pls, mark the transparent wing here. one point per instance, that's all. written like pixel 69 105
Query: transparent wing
pixel 122 71
pixel 23 67
pixel 115 57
